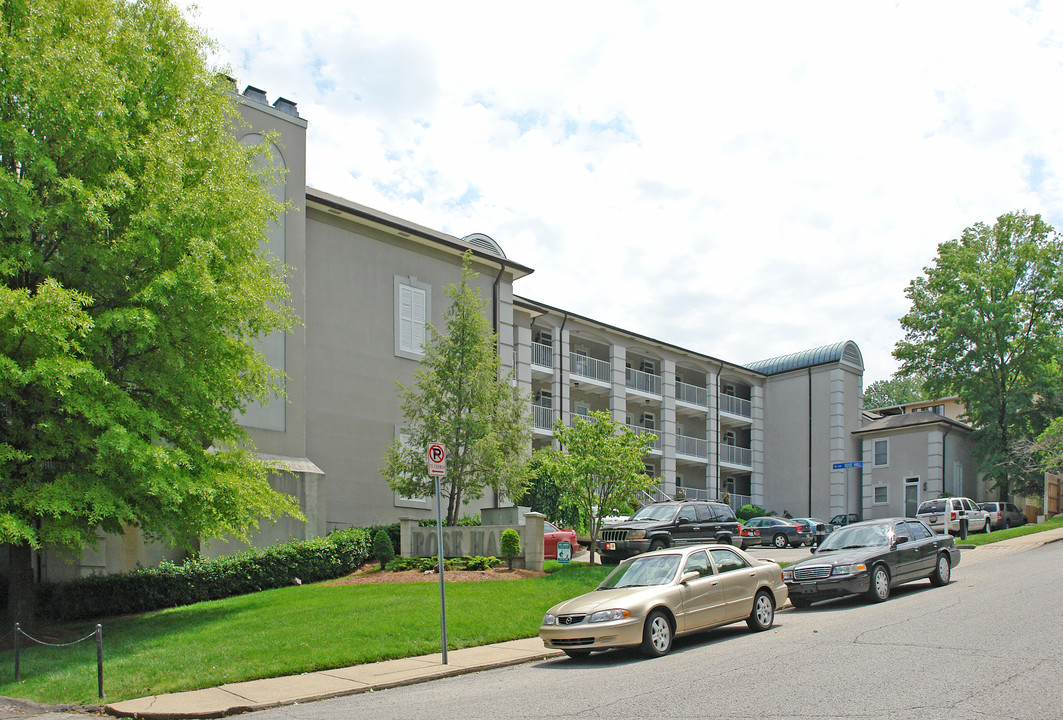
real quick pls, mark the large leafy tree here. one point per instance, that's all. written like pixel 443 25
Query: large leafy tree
pixel 131 285
pixel 461 399
pixel 985 324
pixel 898 390
pixel 598 468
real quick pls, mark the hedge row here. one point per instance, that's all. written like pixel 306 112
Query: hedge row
pixel 197 580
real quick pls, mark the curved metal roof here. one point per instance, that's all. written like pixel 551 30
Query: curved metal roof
pixel 845 352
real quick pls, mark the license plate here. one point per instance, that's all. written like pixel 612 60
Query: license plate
pixel 610 546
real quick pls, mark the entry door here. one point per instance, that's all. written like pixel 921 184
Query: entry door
pixel 911 497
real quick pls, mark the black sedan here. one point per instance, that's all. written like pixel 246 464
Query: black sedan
pixel 870 558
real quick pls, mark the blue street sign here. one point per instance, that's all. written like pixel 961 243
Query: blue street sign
pixel 847 465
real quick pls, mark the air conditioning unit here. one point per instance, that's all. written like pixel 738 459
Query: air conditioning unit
pixel 544 398
pixel 729 389
pixel 648 366
pixel 648 420
pixel 729 438
pixel 546 337
pixel 650 470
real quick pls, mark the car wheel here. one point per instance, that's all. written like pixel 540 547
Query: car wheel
pixel 763 614
pixel 796 544
pixel 577 654
pixel 724 540
pixel 988 526
pixel 657 545
pixel 799 602
pixel 656 635
pixel 942 571
pixel 1007 523
pixel 779 541
pixel 880 584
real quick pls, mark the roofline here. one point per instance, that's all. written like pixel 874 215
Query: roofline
pixel 934 419
pixel 530 304
pixel 408 229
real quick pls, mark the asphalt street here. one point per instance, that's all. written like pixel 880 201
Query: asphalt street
pixel 985 646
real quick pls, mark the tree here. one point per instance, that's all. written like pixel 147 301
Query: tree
pixel 898 390
pixel 985 324
pixel 131 286
pixel 509 545
pixel 461 400
pixel 383 550
pixel 599 466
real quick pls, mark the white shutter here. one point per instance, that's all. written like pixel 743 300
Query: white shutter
pixel 411 318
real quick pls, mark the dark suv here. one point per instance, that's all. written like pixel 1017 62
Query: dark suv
pixel 665 524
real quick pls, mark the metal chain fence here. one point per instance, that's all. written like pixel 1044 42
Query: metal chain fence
pixel 97 633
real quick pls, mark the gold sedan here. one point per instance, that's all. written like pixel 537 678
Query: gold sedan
pixel 652 598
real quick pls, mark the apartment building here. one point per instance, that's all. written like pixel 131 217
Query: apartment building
pixel 365 283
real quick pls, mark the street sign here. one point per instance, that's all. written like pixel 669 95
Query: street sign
pixel 437 460
pixel 847 465
pixel 564 552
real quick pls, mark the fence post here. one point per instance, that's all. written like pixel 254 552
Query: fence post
pixel 17 630
pixel 99 658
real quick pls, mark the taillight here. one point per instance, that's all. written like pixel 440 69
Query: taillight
pixel 952 515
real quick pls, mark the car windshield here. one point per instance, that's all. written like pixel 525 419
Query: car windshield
pixel 857 536
pixel 932 506
pixel 655 512
pixel 643 571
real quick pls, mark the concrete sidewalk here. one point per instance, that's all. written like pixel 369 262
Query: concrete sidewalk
pixel 273 692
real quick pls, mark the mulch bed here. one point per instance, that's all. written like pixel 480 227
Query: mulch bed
pixel 371 574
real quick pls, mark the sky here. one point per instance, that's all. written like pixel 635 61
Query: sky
pixel 744 180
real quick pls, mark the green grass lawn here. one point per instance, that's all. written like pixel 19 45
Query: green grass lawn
pixel 283 632
pixel 998 535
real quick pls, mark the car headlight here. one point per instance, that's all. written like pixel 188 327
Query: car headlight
pixel 607 615
pixel 549 619
pixel 636 534
pixel 787 574
pixel 848 569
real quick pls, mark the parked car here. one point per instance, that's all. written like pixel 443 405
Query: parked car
pixel 954 516
pixel 668 524
pixel 871 558
pixel 820 528
pixel 1003 514
pixel 775 531
pixel 650 599
pixel 552 535
pixel 844 519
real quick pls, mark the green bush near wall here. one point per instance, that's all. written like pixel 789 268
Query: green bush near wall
pixel 747 512
pixel 197 580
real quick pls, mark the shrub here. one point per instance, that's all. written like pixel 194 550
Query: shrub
pixel 383 550
pixel 509 545
pixel 747 512
pixel 392 530
pixel 198 579
pixel 479 562
pixel 463 521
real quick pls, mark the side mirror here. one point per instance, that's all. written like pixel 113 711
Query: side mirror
pixel 813 549
pixel 901 539
pixel 685 521
pixel 688 576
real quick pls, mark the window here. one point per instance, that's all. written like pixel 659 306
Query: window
pixel 881 494
pixel 412 310
pixel 698 562
pixel 727 560
pixel 686 512
pixel 917 531
pixel 882 454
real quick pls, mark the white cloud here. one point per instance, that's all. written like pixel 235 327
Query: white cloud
pixel 746 180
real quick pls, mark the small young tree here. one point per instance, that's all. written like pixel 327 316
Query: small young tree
pixel 461 400
pixel 383 550
pixel 599 467
pixel 509 545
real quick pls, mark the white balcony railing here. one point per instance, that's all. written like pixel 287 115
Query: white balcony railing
pixel 639 430
pixel 737 501
pixel 736 406
pixel 542 417
pixel 692 447
pixel 593 368
pixel 542 355
pixel 643 381
pixel 734 455
pixel 691 394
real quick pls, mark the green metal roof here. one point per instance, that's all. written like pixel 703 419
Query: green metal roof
pixel 846 352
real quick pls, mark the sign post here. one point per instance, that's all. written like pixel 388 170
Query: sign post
pixel 437 468
pixel 847 466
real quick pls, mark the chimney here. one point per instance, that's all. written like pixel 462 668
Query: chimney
pixel 253 93
pixel 286 106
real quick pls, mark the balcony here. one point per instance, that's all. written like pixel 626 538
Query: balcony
pixel 644 382
pixel 542 355
pixel 736 456
pixel 542 418
pixel 584 366
pixel 692 447
pixel 736 406
pixel 691 394
pixel 639 430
